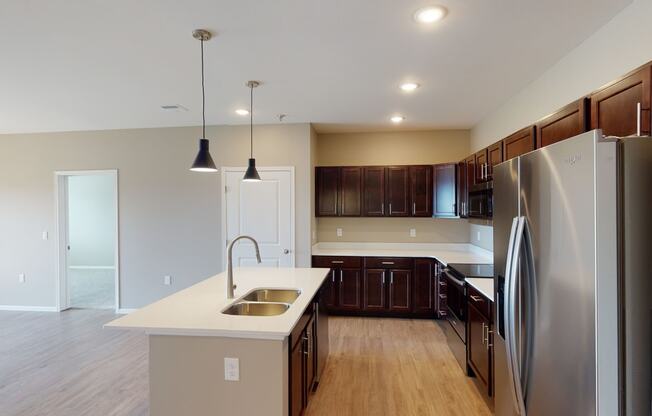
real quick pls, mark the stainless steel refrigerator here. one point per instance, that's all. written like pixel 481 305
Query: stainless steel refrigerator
pixel 573 266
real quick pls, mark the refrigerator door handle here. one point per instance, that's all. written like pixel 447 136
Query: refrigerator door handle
pixel 530 302
pixel 511 318
pixel 507 307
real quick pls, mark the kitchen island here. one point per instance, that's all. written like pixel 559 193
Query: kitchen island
pixel 272 360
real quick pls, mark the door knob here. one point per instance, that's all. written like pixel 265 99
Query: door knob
pixel 286 251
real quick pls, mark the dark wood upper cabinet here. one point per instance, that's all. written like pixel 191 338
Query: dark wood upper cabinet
pixel 328 179
pixel 424 286
pixel 398 191
pixel 374 297
pixel 494 157
pixel 480 165
pixel 470 172
pixel 615 108
pixel 445 196
pixel 519 143
pixel 350 192
pixel 462 190
pixel 421 190
pixel 373 191
pixel 563 124
pixel 349 289
pixel 400 290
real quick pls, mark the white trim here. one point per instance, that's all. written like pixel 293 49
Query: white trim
pixel 293 219
pixel 61 198
pixel 21 308
pixel 91 267
pixel 124 311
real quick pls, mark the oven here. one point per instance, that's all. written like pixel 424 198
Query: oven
pixel 456 304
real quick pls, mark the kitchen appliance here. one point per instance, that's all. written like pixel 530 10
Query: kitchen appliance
pixel 572 262
pixel 454 324
pixel 481 200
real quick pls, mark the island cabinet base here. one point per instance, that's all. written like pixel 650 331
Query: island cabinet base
pixel 187 376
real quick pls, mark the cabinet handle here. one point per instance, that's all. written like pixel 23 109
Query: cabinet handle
pixel 390 208
pixel 391 278
pixel 414 208
pixel 638 119
pixel 442 296
pixel 387 262
pixel 333 275
pixel 305 345
pixel 483 339
pixel 382 208
pixel 489 332
pixel 341 276
pixel 337 261
pixel 476 298
pixel 383 278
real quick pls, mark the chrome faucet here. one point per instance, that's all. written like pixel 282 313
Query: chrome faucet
pixel 229 263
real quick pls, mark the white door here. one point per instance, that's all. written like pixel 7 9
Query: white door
pixel 263 210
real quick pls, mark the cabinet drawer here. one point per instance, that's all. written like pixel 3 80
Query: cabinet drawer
pixel 388 263
pixel 481 303
pixel 336 262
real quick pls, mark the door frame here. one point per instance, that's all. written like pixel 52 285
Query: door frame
pixel 62 295
pixel 224 170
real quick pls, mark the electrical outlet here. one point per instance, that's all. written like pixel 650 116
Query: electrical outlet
pixel 339 232
pixel 231 369
pixel 478 235
pixel 167 280
pixel 413 232
pixel 45 235
pixel 21 278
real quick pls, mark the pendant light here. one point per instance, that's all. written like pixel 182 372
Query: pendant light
pixel 203 161
pixel 251 175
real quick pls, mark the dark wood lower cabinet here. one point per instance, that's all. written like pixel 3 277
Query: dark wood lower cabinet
pixel 349 289
pixel 297 382
pixel 400 290
pixel 374 290
pixel 424 289
pixel 479 339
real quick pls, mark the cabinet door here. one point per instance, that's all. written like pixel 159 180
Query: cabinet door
pixel 423 287
pixel 373 191
pixel 478 350
pixel 297 381
pixel 445 199
pixel 614 109
pixel 494 157
pixel 349 289
pixel 350 192
pixel 462 191
pixel 480 166
pixel 329 289
pixel 563 124
pixel 400 290
pixel 441 297
pixel 374 289
pixel 421 190
pixel 310 357
pixel 327 191
pixel 398 191
pixel 470 173
pixel 518 143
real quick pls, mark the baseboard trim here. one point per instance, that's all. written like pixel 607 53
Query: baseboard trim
pixel 91 267
pixel 20 308
pixel 124 311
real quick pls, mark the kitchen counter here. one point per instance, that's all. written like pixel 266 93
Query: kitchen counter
pixel 444 253
pixel 483 285
pixel 196 311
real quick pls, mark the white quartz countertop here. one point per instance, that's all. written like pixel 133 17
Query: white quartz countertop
pixel 483 285
pixel 196 311
pixel 444 253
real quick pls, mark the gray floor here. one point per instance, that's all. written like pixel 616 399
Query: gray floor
pixel 92 288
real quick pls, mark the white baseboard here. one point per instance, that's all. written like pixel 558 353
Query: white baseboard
pixel 126 310
pixel 91 267
pixel 21 308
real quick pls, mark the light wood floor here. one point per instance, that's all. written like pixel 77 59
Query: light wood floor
pixel 67 365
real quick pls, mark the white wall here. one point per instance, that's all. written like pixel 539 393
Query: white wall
pixel 170 218
pixel 91 220
pixel 621 45
pixel 481 235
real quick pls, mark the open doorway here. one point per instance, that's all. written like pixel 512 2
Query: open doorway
pixel 88 239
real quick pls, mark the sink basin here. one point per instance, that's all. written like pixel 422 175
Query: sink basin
pixel 256 308
pixel 273 295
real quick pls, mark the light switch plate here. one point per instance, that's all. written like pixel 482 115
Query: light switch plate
pixel 45 235
pixel 167 280
pixel 413 232
pixel 231 369
pixel 21 278
pixel 339 232
pixel 478 235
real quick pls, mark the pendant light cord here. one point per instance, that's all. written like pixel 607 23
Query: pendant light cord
pixel 251 120
pixel 203 94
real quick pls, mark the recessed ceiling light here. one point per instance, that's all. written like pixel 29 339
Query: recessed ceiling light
pixel 409 86
pixel 430 14
pixel 242 112
pixel 397 119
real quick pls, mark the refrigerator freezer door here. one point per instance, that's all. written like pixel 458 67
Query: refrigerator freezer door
pixel 506 208
pixel 557 197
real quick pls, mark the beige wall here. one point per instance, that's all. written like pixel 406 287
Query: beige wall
pixel 392 148
pixel 170 218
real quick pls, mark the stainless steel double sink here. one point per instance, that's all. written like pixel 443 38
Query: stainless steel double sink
pixel 263 302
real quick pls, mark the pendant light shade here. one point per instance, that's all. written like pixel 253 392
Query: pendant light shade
pixel 203 161
pixel 251 175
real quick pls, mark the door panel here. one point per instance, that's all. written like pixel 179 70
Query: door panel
pixel 398 191
pixel 494 157
pixel 519 143
pixel 563 124
pixel 477 350
pixel 421 190
pixel 327 191
pixel 349 288
pixel 400 290
pixel 330 289
pixel 423 286
pixel 480 165
pixel 374 289
pixel 445 198
pixel 373 191
pixel 351 192
pixel 297 367
pixel 462 190
pixel 271 227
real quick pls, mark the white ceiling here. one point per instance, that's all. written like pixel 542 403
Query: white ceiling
pixel 108 64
